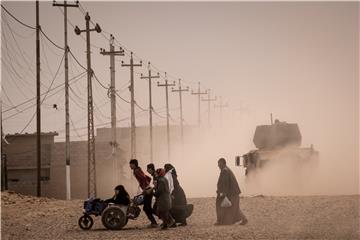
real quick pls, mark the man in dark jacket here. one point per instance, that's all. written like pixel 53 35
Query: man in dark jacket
pixel 150 168
pixel 144 183
pixel 228 187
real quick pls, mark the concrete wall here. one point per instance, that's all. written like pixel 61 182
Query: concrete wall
pixel 105 170
pixel 22 162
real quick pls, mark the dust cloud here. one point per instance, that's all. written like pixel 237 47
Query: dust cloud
pixel 196 164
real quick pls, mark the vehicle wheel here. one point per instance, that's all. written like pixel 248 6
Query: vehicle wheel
pixel 113 218
pixel 85 222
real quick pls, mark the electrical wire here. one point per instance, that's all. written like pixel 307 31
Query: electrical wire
pixel 76 60
pixel 101 84
pixel 22 23
pixel 56 45
pixel 31 119
pixel 73 80
pixel 17 44
pixel 157 114
pixel 11 103
pixel 122 98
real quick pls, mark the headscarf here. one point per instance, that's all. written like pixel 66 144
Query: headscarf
pixel 122 191
pixel 169 167
pixel 160 172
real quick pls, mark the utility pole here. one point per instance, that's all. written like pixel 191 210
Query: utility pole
pixel 166 85
pixel 38 109
pixel 180 90
pixel 112 92
pixel 3 156
pixel 91 135
pixel 2 151
pixel 132 103
pixel 199 93
pixel 221 106
pixel 209 100
pixel 149 77
pixel 67 124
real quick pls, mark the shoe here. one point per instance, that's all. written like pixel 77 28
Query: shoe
pixel 183 224
pixel 164 227
pixel 173 225
pixel 152 225
pixel 243 222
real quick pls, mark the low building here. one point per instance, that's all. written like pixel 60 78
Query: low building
pixel 111 167
pixel 21 158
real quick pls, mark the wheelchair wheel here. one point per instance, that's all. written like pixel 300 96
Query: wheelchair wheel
pixel 133 212
pixel 114 218
pixel 85 222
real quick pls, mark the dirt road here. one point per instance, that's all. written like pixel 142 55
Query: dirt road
pixel 317 217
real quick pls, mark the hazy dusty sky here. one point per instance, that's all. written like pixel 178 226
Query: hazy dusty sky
pixel 296 60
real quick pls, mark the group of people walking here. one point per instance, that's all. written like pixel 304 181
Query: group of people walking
pixel 170 200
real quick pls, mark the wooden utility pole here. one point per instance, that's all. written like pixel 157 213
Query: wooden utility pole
pixel 221 106
pixel 149 77
pixel 112 92
pixel 132 103
pixel 166 85
pixel 2 151
pixel 91 134
pixel 38 109
pixel 4 185
pixel 209 100
pixel 180 90
pixel 199 93
pixel 67 123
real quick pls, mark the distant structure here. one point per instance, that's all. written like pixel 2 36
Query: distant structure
pixel 21 161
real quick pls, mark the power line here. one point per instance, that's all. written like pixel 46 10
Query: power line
pixel 18 46
pixel 22 23
pixel 44 96
pixel 74 128
pixel 127 50
pixel 98 125
pixel 11 103
pixel 11 67
pixel 46 93
pixel 122 98
pixel 77 61
pixel 157 114
pixel 56 45
pixel 29 100
pixel 14 80
pixel 101 84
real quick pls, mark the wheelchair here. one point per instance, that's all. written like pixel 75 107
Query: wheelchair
pixel 113 216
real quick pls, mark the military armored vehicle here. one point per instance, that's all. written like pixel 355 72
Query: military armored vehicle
pixel 280 142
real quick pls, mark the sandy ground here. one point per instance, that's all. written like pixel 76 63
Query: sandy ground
pixel 318 217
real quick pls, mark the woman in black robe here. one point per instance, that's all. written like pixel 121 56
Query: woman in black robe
pixel 121 196
pixel 163 199
pixel 180 210
pixel 228 187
